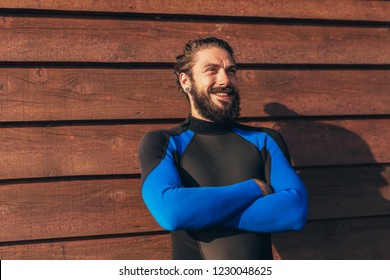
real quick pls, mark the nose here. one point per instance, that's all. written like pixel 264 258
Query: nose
pixel 222 78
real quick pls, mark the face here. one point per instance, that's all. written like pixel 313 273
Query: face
pixel 214 92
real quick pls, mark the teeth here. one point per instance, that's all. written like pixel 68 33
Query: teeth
pixel 222 94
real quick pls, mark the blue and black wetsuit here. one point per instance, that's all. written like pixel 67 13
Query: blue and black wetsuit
pixel 197 181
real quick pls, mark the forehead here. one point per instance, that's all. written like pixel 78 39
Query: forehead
pixel 213 55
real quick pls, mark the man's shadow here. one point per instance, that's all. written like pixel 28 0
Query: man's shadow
pixel 345 185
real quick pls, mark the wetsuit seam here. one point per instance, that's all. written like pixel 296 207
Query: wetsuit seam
pixel 267 163
pixel 258 150
pixel 186 148
pixel 181 239
pixel 200 249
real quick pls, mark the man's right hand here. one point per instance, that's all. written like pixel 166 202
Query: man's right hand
pixel 265 188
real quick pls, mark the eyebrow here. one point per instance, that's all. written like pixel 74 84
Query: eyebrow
pixel 217 65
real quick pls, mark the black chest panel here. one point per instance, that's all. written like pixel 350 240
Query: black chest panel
pixel 220 160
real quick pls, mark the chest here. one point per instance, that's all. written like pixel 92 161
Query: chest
pixel 218 160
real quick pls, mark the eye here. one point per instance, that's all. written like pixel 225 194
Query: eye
pixel 232 71
pixel 211 69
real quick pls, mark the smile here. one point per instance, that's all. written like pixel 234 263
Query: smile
pixel 222 94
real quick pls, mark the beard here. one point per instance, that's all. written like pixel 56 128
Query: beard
pixel 209 110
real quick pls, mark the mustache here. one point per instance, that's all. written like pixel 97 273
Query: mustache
pixel 227 89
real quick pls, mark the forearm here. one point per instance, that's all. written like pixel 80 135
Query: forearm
pixel 282 211
pixel 177 207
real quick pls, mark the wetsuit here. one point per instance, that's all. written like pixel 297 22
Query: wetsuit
pixel 197 181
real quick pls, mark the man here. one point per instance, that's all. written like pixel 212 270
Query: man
pixel 220 187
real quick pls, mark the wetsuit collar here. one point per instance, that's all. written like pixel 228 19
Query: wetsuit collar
pixel 207 127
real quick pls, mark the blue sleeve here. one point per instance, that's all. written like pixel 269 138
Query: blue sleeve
pixel 175 207
pixel 285 209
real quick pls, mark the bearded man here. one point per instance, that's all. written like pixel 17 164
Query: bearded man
pixel 221 188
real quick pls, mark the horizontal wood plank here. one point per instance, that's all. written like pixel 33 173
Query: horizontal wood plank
pixel 354 191
pixel 306 9
pixel 45 94
pixel 338 142
pixel 65 150
pixel 46 210
pixel 73 208
pixel 27 39
pixel 154 247
pixel 112 149
pixel 344 239
pixel 353 239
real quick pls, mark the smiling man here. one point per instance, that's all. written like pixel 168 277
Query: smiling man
pixel 221 188
pixel 212 85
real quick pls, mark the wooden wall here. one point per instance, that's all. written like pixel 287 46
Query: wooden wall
pixel 82 81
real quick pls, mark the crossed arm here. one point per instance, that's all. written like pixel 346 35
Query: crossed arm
pixel 249 205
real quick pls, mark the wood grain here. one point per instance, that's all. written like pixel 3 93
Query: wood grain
pixel 44 210
pixel 73 208
pixel 141 247
pixel 351 239
pixel 306 9
pixel 29 152
pixel 46 94
pixel 338 142
pixel 344 239
pixel 345 192
pixel 32 39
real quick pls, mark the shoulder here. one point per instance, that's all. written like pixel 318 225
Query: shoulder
pixel 154 138
pixel 153 147
pixel 157 139
pixel 274 134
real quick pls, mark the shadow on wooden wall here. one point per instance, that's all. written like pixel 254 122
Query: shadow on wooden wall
pixel 347 189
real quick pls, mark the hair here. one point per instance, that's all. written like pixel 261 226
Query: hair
pixel 185 61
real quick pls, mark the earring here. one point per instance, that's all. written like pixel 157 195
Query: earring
pixel 187 89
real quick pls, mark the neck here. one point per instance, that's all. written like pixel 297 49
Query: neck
pixel 196 115
pixel 205 126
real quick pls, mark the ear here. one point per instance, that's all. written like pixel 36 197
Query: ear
pixel 184 81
